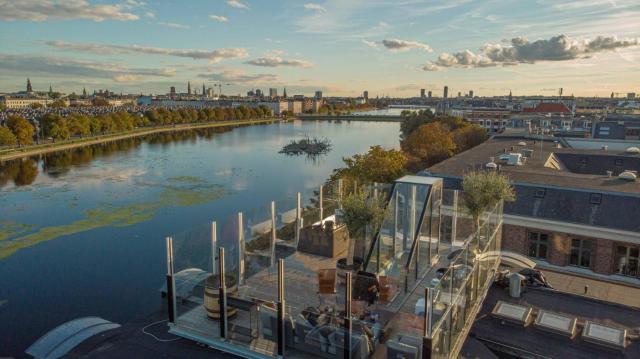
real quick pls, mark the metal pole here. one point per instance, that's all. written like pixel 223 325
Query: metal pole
pixel 240 250
pixel 281 308
pixel 340 193
pixel 454 220
pixel 171 283
pixel 298 217
pixel 273 233
pixel 222 295
pixel 321 200
pixel 347 320
pixel 427 341
pixel 375 190
pixel 214 244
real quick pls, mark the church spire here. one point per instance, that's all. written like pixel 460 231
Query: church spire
pixel 203 89
pixel 284 94
pixel 29 88
pixel 189 88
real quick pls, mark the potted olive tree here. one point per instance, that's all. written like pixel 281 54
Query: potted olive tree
pixel 483 190
pixel 359 212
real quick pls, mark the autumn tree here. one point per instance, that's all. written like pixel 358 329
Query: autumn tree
pixel 22 129
pixel 59 103
pixel 428 145
pixel 79 125
pixel 7 138
pixel 468 137
pixel 377 165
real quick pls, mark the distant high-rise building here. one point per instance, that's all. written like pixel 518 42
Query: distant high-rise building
pixel 50 90
pixel 429 94
pixel 29 88
pixel 318 95
pixel 250 93
pixel 471 93
pixel 172 91
pixel 611 94
pixel 258 93
pixel 273 92
pixel 84 92
pixel 446 92
pixel 422 93
pixel 560 92
pixel 189 88
pixel 459 94
pixel 631 95
pixel 365 95
pixel 284 94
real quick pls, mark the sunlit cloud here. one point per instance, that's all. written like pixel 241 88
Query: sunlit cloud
pixel 218 18
pixel 520 50
pixel 315 7
pixel 275 61
pixel 214 56
pixel 237 4
pixel 235 77
pixel 56 66
pixel 174 25
pixel 42 10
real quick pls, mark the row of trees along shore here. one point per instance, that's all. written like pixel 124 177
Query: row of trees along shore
pixel 18 131
pixel 425 139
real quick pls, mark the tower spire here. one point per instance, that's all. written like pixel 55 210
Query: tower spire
pixel 29 88
pixel 284 94
pixel 189 88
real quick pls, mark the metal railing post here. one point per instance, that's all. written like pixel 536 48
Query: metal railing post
pixel 340 193
pixel 240 249
pixel 273 233
pixel 427 335
pixel 321 199
pixel 214 244
pixel 281 309
pixel 299 223
pixel 348 328
pixel 171 283
pixel 222 294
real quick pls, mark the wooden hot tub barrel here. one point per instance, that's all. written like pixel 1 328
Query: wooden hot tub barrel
pixel 212 294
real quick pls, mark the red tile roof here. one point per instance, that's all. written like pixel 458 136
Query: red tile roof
pixel 549 107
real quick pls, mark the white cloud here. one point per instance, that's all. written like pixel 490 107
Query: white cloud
pixel 56 66
pixel 521 50
pixel 371 44
pixel 237 4
pixel 174 25
pixel 275 61
pixel 235 77
pixel 218 18
pixel 397 45
pixel 150 15
pixel 315 7
pixel 42 10
pixel 214 56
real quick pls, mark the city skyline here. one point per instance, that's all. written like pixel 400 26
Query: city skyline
pixel 339 47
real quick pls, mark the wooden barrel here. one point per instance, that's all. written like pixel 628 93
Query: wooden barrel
pixel 212 295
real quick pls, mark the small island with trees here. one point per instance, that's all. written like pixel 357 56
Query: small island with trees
pixel 307 146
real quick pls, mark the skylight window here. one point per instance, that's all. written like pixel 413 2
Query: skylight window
pixel 556 323
pixel 512 312
pixel 604 335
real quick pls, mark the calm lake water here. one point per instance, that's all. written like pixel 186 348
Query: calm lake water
pixel 82 232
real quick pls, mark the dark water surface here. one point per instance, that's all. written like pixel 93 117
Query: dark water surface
pixel 82 231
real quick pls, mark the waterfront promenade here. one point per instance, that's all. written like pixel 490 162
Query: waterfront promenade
pixel 16 153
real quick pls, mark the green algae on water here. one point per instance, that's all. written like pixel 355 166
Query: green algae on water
pixel 116 216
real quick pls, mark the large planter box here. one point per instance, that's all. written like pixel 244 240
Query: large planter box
pixel 326 241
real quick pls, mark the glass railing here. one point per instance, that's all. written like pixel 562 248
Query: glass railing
pixel 384 306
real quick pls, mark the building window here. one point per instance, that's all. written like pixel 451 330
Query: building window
pixel 618 162
pixel 538 245
pixel 628 261
pixel 604 131
pixel 595 198
pixel 580 253
pixel 447 229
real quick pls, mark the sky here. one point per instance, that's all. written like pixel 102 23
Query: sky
pixel 342 47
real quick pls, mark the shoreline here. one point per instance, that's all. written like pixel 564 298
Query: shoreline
pixel 66 145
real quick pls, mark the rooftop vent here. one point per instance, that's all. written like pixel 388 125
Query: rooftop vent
pixel 604 335
pixel 515 159
pixel 628 175
pixel 633 150
pixel 512 312
pixel 522 143
pixel 605 147
pixel 556 323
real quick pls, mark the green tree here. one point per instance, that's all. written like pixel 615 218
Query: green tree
pixel 377 165
pixel 483 190
pixel 358 212
pixel 36 105
pixel 79 125
pixel 3 107
pixel 22 129
pixel 7 138
pixel 428 145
